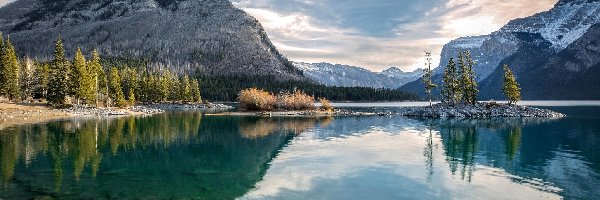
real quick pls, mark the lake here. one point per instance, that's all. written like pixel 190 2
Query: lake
pixel 185 155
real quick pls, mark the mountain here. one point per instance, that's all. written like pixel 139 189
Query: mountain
pixel 351 76
pixel 550 51
pixel 211 36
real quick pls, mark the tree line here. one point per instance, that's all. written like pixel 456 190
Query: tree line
pixel 459 81
pixel 87 82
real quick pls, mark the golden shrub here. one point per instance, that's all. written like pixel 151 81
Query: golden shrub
pixel 256 99
pixel 326 105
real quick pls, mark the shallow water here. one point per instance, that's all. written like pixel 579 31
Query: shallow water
pixel 189 155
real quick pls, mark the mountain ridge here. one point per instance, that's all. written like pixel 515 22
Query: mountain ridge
pixel 525 44
pixel 352 76
pixel 210 36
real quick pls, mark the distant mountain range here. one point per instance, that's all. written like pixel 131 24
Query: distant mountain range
pixel 554 54
pixel 207 35
pixel 351 76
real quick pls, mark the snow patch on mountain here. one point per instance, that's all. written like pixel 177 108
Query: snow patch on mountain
pixel 351 76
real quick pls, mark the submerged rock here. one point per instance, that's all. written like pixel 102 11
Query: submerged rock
pixel 479 110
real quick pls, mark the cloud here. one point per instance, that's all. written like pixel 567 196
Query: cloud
pixel 4 2
pixel 377 34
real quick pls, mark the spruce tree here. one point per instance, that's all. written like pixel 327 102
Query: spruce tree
pixel 131 98
pixel 98 77
pixel 511 87
pixel 26 80
pixel 83 81
pixel 59 76
pixel 195 90
pixel 468 81
pixel 427 75
pixel 450 91
pixel 175 88
pixel 165 85
pixel 10 68
pixel 185 92
pixel 114 88
pixel 41 79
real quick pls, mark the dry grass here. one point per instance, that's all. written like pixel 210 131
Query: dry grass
pixel 326 105
pixel 260 100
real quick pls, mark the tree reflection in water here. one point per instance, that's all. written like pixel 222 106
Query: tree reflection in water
pixel 460 139
pixel 172 155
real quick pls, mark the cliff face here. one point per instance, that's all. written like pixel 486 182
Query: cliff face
pixel 207 35
pixel 528 45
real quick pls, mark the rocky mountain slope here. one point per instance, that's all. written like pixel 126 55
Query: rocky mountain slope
pixel 543 49
pixel 350 76
pixel 210 35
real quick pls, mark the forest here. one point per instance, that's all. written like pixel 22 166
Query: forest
pixel 121 82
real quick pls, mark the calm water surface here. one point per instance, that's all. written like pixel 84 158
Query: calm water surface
pixel 191 155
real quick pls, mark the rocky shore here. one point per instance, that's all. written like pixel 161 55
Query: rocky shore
pixel 479 110
pixel 151 109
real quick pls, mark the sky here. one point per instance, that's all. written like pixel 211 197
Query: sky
pixel 377 34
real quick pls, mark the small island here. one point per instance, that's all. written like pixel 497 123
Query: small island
pixel 459 94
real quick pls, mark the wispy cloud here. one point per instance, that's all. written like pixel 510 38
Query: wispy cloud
pixel 377 34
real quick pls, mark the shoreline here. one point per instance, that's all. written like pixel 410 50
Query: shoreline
pixel 16 114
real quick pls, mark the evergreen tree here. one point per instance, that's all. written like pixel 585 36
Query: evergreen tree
pixel 98 77
pixel 143 86
pixel 59 76
pixel 10 68
pixel 450 91
pixel 468 81
pixel 129 81
pixel 83 80
pixel 511 87
pixel 165 85
pixel 41 79
pixel 114 88
pixel 175 88
pixel 26 80
pixel 195 90
pixel 427 75
pixel 185 92
pixel 131 98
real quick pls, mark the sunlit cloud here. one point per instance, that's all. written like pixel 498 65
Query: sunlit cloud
pixel 377 34
pixel 4 2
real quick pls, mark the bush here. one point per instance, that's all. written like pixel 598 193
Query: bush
pixel 256 100
pixel 297 101
pixel 260 100
pixel 326 105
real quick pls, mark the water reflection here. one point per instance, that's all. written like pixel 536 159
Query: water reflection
pixel 176 155
pixel 188 155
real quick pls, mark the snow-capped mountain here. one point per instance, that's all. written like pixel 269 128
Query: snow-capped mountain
pixel 526 44
pixel 207 35
pixel 351 76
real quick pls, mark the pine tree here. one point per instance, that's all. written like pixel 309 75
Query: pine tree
pixel 131 98
pixel 511 87
pixel 129 81
pixel 26 78
pixel 468 81
pixel 41 79
pixel 175 88
pixel 451 91
pixel 10 68
pixel 185 92
pixel 195 90
pixel 165 85
pixel 114 89
pixel 83 80
pixel 427 75
pixel 59 76
pixel 98 77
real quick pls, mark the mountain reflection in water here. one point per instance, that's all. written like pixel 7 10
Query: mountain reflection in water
pixel 189 155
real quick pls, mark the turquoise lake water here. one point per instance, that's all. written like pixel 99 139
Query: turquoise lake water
pixel 190 155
